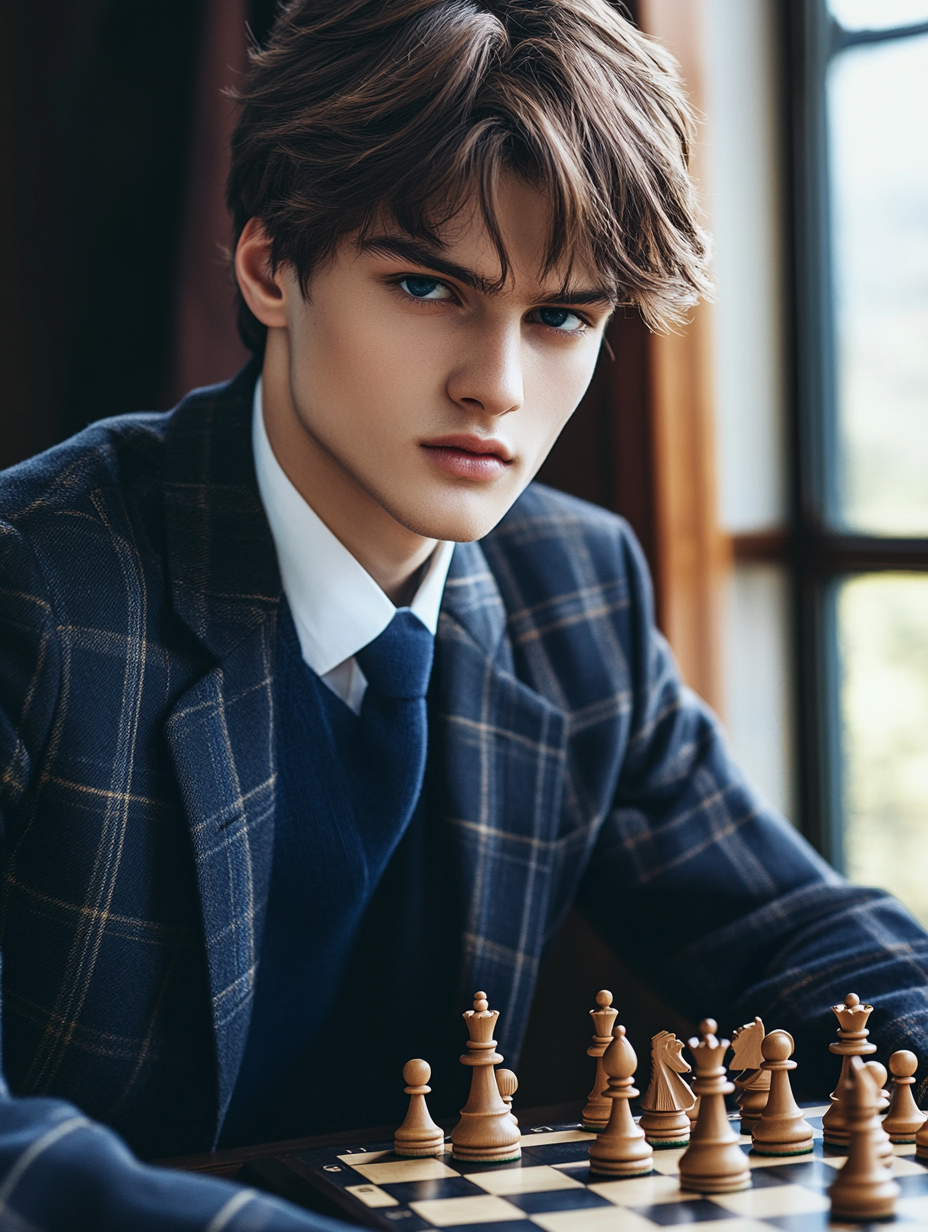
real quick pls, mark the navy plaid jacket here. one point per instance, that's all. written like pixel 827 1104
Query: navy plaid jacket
pixel 138 598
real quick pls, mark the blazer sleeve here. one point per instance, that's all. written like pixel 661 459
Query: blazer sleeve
pixel 716 900
pixel 58 1169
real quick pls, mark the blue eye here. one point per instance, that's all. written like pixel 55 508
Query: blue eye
pixel 421 287
pixel 557 318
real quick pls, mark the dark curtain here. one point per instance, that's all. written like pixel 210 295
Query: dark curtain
pixel 102 105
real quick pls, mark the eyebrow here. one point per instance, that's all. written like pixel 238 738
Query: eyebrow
pixel 417 253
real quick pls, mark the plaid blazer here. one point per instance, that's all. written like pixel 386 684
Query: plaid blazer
pixel 138 599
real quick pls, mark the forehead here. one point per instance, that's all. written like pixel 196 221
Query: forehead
pixel 507 253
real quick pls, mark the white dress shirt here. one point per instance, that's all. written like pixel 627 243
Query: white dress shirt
pixel 337 606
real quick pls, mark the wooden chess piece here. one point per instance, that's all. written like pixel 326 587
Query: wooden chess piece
pixel 852 1042
pixel 878 1073
pixel 621 1148
pixel 903 1119
pixel 753 1082
pixel 781 1129
pixel 595 1115
pixel 485 1132
pixel 418 1135
pixel 864 1189
pixel 668 1098
pixel 921 1142
pixel 507 1084
pixel 714 1161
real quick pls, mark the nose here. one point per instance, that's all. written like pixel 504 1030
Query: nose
pixel 488 377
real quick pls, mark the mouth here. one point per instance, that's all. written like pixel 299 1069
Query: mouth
pixel 480 458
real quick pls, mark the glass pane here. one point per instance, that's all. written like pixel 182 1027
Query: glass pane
pixel 878 100
pixel 877 14
pixel 883 650
pixel 757 693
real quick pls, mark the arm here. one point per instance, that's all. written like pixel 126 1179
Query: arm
pixel 718 902
pixel 58 1169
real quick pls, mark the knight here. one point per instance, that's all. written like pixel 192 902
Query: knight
pixel 753 1082
pixel 668 1098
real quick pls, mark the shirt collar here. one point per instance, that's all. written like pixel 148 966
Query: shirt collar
pixel 337 606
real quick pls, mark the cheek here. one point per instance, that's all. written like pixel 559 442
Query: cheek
pixel 553 391
pixel 356 369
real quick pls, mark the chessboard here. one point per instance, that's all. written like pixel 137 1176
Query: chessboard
pixel 552 1188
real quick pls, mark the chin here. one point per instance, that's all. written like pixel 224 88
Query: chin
pixel 458 519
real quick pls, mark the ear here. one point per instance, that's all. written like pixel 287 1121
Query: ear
pixel 264 293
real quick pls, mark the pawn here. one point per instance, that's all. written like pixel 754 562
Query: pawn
pixel 418 1135
pixel 507 1084
pixel 781 1128
pixel 921 1138
pixel 878 1073
pixel 864 1189
pixel 620 1149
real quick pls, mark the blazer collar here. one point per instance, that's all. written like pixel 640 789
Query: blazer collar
pixel 221 560
pixel 472 600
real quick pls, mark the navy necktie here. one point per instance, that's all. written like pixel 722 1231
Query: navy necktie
pixel 394 720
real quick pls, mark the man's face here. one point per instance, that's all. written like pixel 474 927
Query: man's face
pixel 439 397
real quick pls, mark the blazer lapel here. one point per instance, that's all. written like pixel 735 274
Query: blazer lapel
pixel 226 589
pixel 503 749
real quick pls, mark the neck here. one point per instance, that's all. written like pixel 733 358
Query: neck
pixel 392 554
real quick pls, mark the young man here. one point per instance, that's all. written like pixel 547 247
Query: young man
pixel 314 716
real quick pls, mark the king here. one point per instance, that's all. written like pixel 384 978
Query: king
pixel 486 1132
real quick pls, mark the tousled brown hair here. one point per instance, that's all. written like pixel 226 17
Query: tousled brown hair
pixel 361 109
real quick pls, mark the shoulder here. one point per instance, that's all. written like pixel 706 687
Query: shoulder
pixel 552 544
pixel 116 452
pixel 76 507
pixel 64 512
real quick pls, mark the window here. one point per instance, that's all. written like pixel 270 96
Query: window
pixel 858 545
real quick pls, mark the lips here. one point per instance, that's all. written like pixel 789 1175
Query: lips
pixel 477 458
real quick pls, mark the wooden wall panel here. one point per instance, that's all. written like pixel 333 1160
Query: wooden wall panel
pixel 643 442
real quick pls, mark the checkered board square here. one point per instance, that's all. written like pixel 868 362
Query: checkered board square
pixel 552 1188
